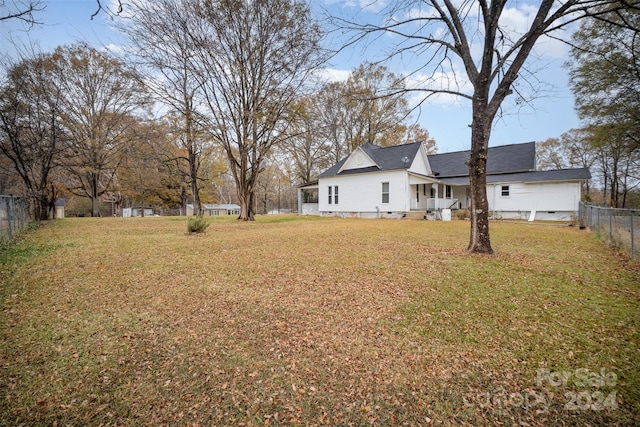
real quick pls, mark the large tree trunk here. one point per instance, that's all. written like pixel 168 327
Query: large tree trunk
pixel 245 196
pixel 95 209
pixel 614 184
pixel 42 208
pixel 479 241
pixel 197 207
pixel 193 157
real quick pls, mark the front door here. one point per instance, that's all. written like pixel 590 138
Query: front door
pixel 418 197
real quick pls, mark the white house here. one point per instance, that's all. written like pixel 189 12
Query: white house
pixel 378 182
pixel 209 209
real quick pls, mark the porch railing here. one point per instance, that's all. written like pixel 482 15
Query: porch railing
pixel 434 204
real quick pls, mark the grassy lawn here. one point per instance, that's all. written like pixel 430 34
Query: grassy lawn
pixel 310 321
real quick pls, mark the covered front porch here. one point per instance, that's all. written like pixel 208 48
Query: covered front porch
pixel 428 195
pixel 308 199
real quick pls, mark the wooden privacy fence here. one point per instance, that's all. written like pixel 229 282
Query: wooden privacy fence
pixel 14 216
pixel 618 227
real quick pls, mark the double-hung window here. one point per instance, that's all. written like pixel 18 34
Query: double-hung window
pixel 385 192
pixel 504 191
pixel 333 194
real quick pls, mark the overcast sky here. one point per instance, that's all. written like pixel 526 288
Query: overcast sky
pixel 447 119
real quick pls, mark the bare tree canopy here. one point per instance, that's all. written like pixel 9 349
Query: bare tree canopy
pixel 31 132
pixel 101 7
pixel 21 10
pixel 474 51
pixel 100 96
pixel 253 57
pixel 163 50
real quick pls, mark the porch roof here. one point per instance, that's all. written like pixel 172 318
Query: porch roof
pixel 308 185
pixel 415 178
pixel 579 174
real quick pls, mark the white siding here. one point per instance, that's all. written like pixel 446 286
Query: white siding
pixel 460 193
pixel 362 193
pixel 558 197
pixel 420 164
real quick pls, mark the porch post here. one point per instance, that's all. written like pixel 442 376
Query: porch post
pixel 299 201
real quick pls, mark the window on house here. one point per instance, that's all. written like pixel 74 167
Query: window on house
pixel 333 194
pixel 505 191
pixel 385 192
pixel 424 189
pixel 447 191
pixel 432 192
pixel 213 212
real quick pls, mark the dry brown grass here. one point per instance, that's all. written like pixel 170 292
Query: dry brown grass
pixel 310 322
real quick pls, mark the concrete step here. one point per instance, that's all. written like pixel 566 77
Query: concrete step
pixel 415 215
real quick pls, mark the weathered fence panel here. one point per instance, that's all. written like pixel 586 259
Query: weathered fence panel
pixel 14 216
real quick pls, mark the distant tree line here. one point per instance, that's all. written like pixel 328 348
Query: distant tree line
pixel 220 101
pixel 605 79
pixel 212 102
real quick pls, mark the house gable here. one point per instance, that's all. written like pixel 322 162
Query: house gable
pixel 420 164
pixel 358 159
pixel 395 157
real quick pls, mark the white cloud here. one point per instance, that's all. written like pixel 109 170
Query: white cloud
pixel 114 48
pixel 333 75
pixel 373 6
pixel 444 81
pixel 518 19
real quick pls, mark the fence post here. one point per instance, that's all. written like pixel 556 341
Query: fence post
pixel 632 231
pixel 9 225
pixel 611 242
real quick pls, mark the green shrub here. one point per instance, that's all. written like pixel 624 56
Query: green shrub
pixel 197 224
pixel 462 214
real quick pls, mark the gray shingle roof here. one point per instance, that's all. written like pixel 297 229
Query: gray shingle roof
pixel 536 176
pixel 501 159
pixel 506 163
pixel 387 158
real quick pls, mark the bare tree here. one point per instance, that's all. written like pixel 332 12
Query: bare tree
pixel 306 148
pixel 31 133
pixel 330 111
pixel 551 154
pixel 100 96
pixel 116 8
pixel 376 107
pixel 253 58
pixel 472 41
pixel 415 132
pixel 580 153
pixel 160 35
pixel 21 10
